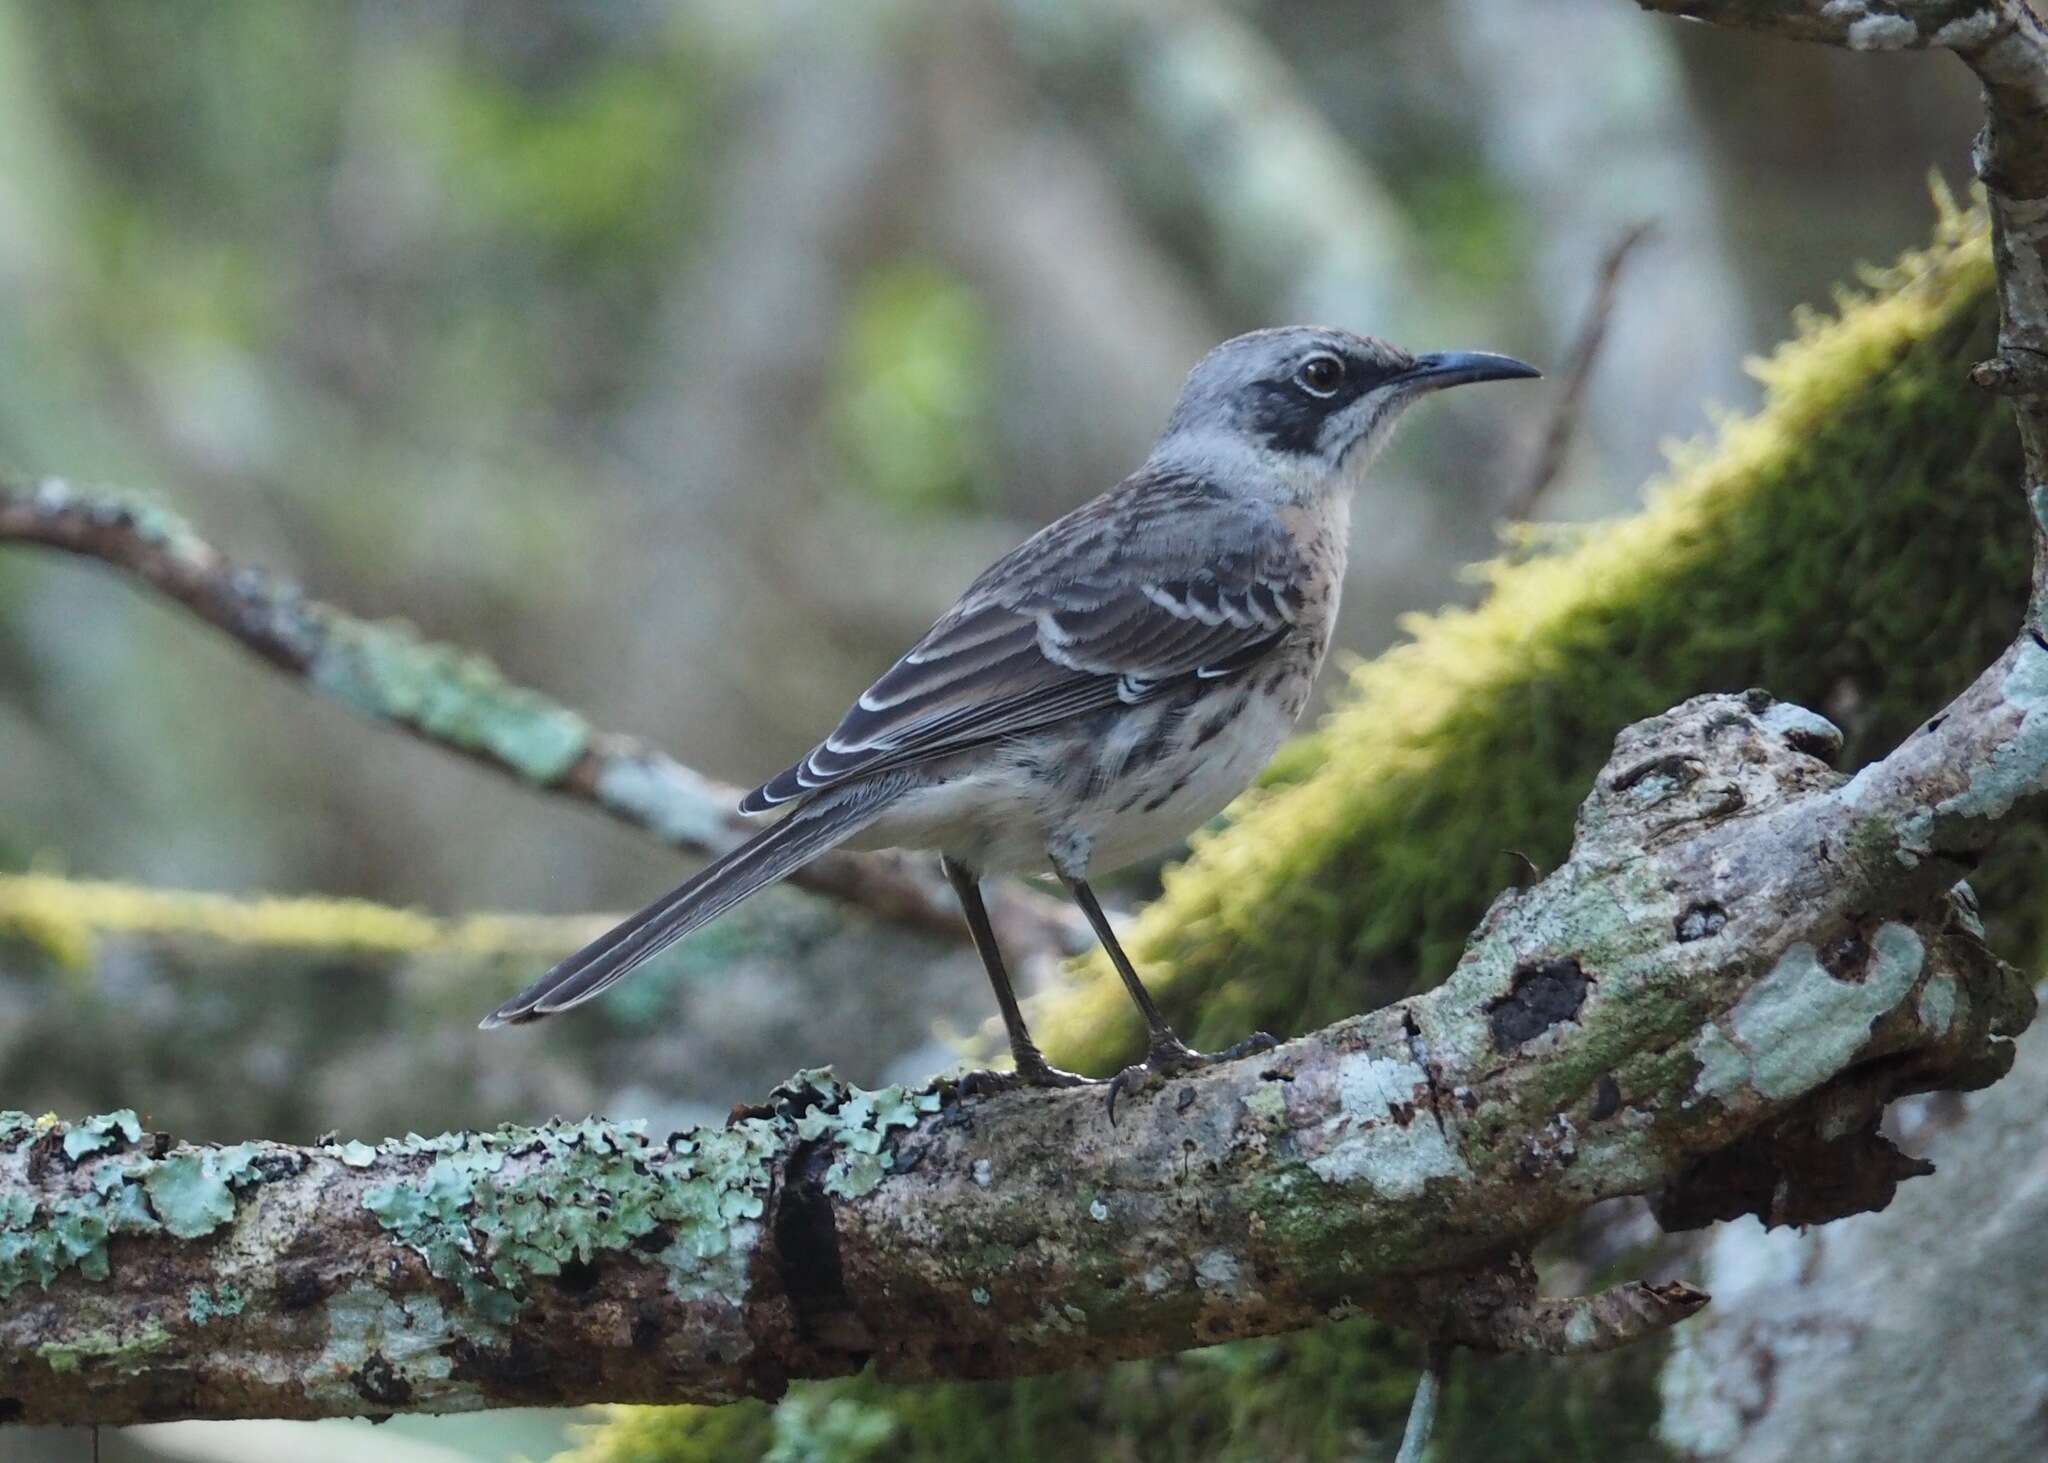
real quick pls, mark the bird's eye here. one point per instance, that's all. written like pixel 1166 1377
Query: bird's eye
pixel 1320 375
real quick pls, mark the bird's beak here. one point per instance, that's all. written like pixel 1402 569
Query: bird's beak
pixel 1459 368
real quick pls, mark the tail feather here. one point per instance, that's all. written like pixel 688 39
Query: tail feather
pixel 772 855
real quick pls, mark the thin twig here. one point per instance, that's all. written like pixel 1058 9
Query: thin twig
pixel 454 699
pixel 1578 369
pixel 1436 1370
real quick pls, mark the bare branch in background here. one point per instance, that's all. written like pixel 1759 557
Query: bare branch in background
pixel 1745 958
pixel 2006 44
pixel 454 699
pixel 1576 372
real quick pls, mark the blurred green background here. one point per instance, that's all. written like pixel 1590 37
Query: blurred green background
pixel 687 359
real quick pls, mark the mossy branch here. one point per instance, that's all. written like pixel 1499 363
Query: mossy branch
pixel 67 917
pixel 455 699
pixel 1711 1002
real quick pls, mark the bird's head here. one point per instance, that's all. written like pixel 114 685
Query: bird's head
pixel 1304 409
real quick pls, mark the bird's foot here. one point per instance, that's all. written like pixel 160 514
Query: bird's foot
pixel 1172 1057
pixel 1040 1074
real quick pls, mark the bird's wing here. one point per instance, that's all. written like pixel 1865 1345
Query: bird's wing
pixel 1162 581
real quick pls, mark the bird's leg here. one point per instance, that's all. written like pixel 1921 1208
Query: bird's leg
pixel 1165 1053
pixel 1033 1070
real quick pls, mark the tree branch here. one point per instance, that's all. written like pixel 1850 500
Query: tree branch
pixel 1745 957
pixel 454 699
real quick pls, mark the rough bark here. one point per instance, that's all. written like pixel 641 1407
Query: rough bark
pixel 455 699
pixel 1915 1333
pixel 1746 953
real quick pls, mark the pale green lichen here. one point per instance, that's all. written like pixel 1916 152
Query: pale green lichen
pixel 1936 1007
pixel 857 1125
pixel 1809 728
pixel 387 672
pixel 2017 768
pixel 151 521
pixel 104 1131
pixel 106 1350
pixel 1268 1103
pixel 411 1335
pixel 354 1154
pixel 1366 1141
pixel 493 1210
pixel 577 1190
pixel 1217 1270
pixel 1581 1330
pixel 661 798
pixel 203 1305
pixel 187 1194
pixel 193 1192
pixel 1799 1025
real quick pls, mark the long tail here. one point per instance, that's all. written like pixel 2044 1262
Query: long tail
pixel 773 854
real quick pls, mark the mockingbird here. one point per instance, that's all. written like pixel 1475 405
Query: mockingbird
pixel 1107 686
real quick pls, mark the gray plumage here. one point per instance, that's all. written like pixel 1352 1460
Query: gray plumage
pixel 1108 685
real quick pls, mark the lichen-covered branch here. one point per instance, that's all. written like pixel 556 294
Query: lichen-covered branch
pixel 456 699
pixel 1746 955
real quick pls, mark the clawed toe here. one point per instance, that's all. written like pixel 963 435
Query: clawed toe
pixel 1172 1058
pixel 986 1083
pixel 1134 1078
pixel 1047 1075
pixel 1044 1075
pixel 1258 1041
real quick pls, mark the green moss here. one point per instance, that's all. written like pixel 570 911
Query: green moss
pixel 1854 547
pixel 387 672
pixel 66 918
pixel 1340 1394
